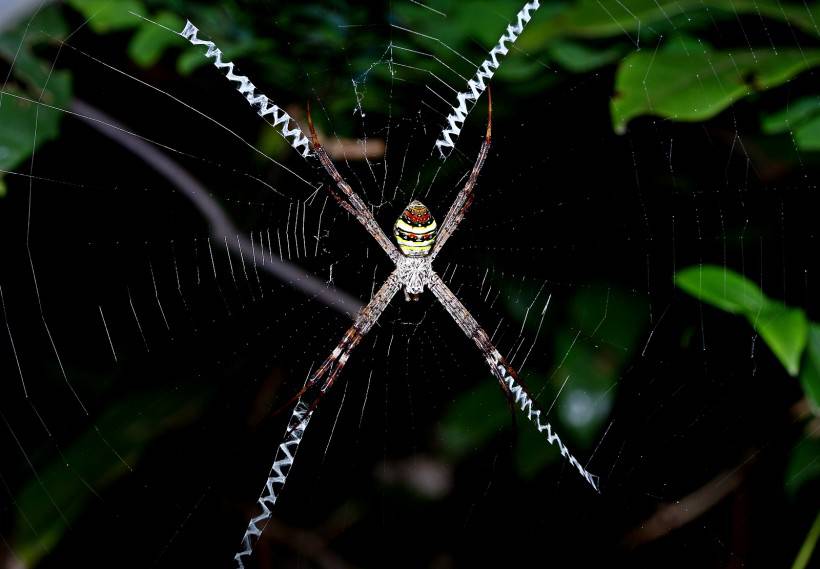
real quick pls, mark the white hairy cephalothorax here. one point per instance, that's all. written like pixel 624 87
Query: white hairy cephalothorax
pixel 415 274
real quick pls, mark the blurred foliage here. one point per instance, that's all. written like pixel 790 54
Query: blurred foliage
pixel 95 467
pixel 804 555
pixel 786 331
pixel 662 65
pixel 801 118
pixel 687 80
pixel 24 124
pixel 597 337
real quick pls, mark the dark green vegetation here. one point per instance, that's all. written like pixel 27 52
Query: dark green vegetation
pixel 654 169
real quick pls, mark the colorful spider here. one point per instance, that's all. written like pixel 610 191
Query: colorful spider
pixel 419 241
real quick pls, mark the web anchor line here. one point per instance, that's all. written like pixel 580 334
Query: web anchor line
pixel 477 85
pixel 260 103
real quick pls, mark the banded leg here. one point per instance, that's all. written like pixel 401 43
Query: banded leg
pixel 503 371
pixel 302 413
pixel 465 197
pixel 354 204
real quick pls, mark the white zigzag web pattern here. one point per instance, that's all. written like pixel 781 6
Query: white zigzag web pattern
pixel 524 402
pixel 276 480
pixel 476 85
pixel 260 102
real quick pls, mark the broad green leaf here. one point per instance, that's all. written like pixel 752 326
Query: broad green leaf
pixel 651 18
pixel 151 41
pixel 698 85
pixel 723 288
pixel 810 370
pixel 785 331
pixel 803 15
pixel 106 16
pixel 807 135
pixel 791 116
pixel 94 460
pixel 804 465
pixel 3 188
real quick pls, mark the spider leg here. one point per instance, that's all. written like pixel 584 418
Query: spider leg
pixel 465 197
pixel 305 406
pixel 502 370
pixel 353 204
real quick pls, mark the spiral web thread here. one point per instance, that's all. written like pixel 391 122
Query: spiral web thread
pixel 282 464
pixel 259 102
pixel 476 85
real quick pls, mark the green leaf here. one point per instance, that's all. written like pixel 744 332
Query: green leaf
pixel 810 370
pixel 3 187
pixel 32 83
pixel 604 19
pixel 651 18
pixel 807 135
pixel 806 550
pixel 106 16
pixel 93 460
pixel 802 15
pixel 804 465
pixel 785 331
pixel 151 41
pixel 791 116
pixel 21 117
pixel 723 288
pixel 698 85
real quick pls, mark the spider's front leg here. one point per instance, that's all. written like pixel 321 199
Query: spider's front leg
pixel 350 200
pixel 503 371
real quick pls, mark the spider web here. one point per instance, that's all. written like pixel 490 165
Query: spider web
pixel 173 270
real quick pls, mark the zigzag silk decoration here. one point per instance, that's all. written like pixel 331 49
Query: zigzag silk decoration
pixel 476 85
pixel 260 103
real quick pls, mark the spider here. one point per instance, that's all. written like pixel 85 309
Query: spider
pixel 418 240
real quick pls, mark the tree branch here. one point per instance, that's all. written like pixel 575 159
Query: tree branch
pixel 220 224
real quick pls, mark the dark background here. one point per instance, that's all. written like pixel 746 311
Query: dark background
pixel 699 423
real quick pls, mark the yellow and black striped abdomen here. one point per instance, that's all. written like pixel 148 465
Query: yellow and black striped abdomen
pixel 415 230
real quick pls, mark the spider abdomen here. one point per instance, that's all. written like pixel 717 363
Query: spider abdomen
pixel 415 230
